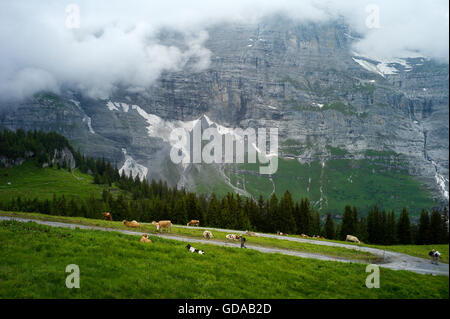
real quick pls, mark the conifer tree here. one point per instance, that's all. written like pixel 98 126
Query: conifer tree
pixel 348 223
pixel 316 223
pixel 329 227
pixel 404 228
pixel 373 225
pixel 304 219
pixel 435 227
pixel 423 234
pixel 445 226
pixel 363 234
pixel 391 229
pixel 272 212
pixel 179 215
pixel 285 221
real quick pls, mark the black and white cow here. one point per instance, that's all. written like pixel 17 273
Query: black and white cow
pixel 194 250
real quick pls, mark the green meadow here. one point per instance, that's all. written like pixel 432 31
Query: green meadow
pixel 198 233
pixel 30 181
pixel 380 180
pixel 114 265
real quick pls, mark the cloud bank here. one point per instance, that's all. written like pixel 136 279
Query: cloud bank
pixel 117 42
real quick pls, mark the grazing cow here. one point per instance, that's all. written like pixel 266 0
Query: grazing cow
pixel 163 224
pixel 251 234
pixel 193 222
pixel 352 239
pixel 133 224
pixel 233 236
pixel 281 234
pixel 207 234
pixel 303 236
pixel 107 216
pixel 145 239
pixel 194 250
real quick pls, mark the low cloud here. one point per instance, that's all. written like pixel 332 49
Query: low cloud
pixel 118 44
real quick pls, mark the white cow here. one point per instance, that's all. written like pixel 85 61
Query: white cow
pixel 352 239
pixel 207 234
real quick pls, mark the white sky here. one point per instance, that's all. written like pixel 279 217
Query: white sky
pixel 116 41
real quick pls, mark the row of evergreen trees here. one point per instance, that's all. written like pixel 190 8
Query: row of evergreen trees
pixel 236 212
pixel 381 227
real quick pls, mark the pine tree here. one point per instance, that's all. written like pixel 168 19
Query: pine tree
pixel 391 229
pixel 304 219
pixel 423 234
pixel 120 208
pixel 383 228
pixel 363 234
pixel 404 228
pixel 254 214
pixel 192 208
pixel 435 227
pixel 329 227
pixel 348 223
pixel 263 212
pixel 373 226
pixel 285 222
pixel 213 211
pixel 355 219
pixel 316 223
pixel 272 212
pixel 444 239
pixel 179 215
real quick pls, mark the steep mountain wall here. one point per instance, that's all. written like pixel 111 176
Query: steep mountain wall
pixel 327 101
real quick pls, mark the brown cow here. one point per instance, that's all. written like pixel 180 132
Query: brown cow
pixel 281 234
pixel 133 224
pixel 145 239
pixel 303 236
pixel 232 236
pixel 163 224
pixel 107 216
pixel 193 222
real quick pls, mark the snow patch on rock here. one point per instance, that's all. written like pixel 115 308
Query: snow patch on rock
pixel 382 66
pixel 112 106
pixel 130 166
pixel 88 121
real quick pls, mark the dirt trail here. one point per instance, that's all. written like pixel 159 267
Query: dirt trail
pixel 392 260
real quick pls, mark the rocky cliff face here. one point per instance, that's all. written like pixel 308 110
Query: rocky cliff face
pixel 302 78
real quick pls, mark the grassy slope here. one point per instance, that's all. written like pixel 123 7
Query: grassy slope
pixel 34 259
pixel 30 181
pixel 207 179
pixel 198 233
pixel 418 250
pixel 361 183
pixel 413 250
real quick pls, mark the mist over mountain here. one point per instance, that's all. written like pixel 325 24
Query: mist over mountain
pixel 99 46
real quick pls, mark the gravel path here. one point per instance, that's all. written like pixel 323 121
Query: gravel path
pixel 392 260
